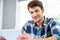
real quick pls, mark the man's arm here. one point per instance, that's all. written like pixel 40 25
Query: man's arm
pixel 28 37
pixel 2 38
pixel 49 38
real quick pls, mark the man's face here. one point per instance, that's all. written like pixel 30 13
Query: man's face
pixel 36 13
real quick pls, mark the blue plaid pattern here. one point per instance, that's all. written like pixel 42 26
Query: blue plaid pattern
pixel 50 27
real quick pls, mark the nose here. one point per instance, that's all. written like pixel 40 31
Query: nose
pixel 34 14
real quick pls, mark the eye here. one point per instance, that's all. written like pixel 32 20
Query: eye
pixel 36 10
pixel 31 12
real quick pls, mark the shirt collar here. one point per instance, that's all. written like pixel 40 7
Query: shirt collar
pixel 43 23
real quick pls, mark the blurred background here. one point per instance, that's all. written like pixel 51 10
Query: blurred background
pixel 14 14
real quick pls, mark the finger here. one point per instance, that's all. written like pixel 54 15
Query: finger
pixel 23 39
pixel 19 38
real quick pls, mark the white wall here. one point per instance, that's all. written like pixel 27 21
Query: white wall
pixel 22 14
pixel 53 8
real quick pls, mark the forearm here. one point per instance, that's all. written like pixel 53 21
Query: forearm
pixel 49 38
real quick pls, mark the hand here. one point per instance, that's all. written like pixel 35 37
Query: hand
pixel 25 36
pixel 2 38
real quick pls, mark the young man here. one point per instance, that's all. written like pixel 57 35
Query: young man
pixel 41 27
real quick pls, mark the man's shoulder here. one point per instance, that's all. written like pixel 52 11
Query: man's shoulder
pixel 30 21
pixel 53 21
pixel 49 19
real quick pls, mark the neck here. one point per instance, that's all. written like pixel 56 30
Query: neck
pixel 39 24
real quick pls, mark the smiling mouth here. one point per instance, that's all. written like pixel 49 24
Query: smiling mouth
pixel 35 18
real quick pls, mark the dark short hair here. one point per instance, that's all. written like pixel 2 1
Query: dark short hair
pixel 35 3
